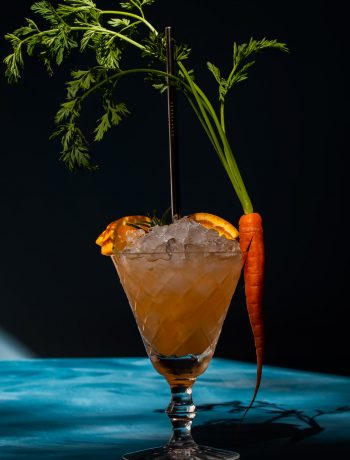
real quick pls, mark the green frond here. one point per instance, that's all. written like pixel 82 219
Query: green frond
pixel 114 114
pixel 68 109
pixel 46 11
pixel 80 25
pixel 241 52
pixel 215 71
pixel 240 67
pixel 103 126
pixel 14 61
pixel 75 12
pixel 161 87
pixel 155 47
pixel 118 22
pixel 88 39
pixel 181 52
pixel 136 4
pixel 108 53
pixel 82 80
pixel 75 150
pixel 78 4
pixel 26 30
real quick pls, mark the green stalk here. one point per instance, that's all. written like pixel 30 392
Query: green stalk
pixel 111 32
pixel 233 71
pixel 207 131
pixel 200 118
pixel 222 117
pixel 130 15
pixel 228 160
pixel 204 115
pixel 243 196
pixel 123 73
pixel 44 32
pixel 132 24
pixel 236 177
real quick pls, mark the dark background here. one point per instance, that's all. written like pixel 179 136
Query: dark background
pixel 287 123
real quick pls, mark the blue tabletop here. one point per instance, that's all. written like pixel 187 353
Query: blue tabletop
pixel 101 408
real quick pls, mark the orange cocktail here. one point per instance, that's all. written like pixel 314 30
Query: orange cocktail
pixel 180 300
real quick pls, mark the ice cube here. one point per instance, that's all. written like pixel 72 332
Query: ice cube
pixel 193 251
pixel 133 235
pixel 159 231
pixel 179 230
pixel 160 252
pixel 173 245
pixel 197 234
pixel 184 235
pixel 151 242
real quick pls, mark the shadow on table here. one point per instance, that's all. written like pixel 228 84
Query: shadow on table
pixel 299 426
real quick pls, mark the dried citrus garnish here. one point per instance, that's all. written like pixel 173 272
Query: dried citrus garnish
pixel 116 235
pixel 212 222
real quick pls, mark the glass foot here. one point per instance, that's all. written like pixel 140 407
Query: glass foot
pixel 193 453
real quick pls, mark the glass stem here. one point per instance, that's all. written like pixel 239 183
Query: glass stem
pixel 181 412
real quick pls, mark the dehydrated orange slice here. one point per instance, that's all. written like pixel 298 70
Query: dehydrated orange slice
pixel 115 237
pixel 212 222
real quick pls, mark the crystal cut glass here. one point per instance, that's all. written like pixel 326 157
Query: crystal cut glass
pixel 179 301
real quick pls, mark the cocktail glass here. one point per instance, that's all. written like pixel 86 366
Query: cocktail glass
pixel 180 301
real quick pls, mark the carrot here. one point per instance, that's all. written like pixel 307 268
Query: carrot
pixel 251 241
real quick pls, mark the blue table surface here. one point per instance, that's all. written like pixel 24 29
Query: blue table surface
pixel 101 408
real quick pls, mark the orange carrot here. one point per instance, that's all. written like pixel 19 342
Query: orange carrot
pixel 251 240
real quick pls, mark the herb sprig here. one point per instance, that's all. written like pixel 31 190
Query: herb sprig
pixel 153 221
pixel 79 25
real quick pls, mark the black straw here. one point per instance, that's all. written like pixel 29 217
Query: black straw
pixel 173 148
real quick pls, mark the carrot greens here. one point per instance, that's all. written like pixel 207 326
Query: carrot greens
pixel 106 35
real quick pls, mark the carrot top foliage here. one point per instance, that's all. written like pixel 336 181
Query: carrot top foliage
pixel 105 36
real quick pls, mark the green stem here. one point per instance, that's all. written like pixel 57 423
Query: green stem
pixel 122 73
pixel 44 32
pixel 131 15
pixel 200 118
pixel 111 32
pixel 234 68
pixel 236 178
pixel 222 116
pixel 204 115
pixel 207 131
pixel 233 171
pixel 243 196
pixel 132 24
pixel 137 6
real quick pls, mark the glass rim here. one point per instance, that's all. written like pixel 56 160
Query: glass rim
pixel 122 253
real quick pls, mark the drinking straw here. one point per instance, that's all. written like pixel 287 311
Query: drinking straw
pixel 173 148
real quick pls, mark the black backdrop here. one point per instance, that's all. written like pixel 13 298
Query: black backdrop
pixel 287 123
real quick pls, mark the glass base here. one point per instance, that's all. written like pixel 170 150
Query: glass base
pixel 193 453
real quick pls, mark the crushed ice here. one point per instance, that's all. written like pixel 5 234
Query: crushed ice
pixel 184 235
